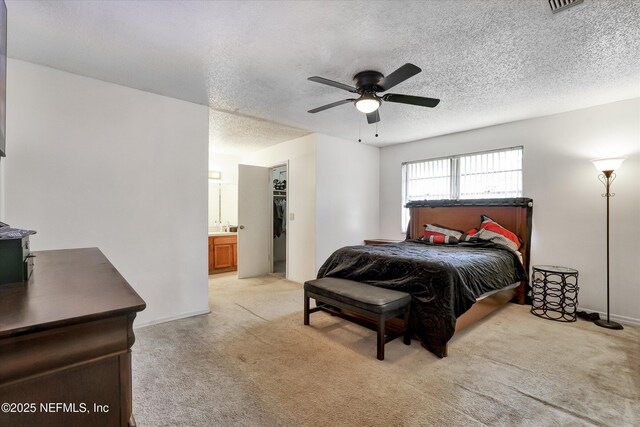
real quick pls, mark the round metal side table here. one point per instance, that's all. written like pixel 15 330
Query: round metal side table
pixel 554 292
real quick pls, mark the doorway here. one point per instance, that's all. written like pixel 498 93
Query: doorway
pixel 263 216
pixel 279 220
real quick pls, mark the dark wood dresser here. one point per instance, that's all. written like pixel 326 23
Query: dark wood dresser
pixel 65 343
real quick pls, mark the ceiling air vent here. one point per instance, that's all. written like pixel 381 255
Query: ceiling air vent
pixel 558 5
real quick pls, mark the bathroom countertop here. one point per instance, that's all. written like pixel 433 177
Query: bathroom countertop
pixel 222 233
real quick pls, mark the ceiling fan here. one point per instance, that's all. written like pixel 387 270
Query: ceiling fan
pixel 368 83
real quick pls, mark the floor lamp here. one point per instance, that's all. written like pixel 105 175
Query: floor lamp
pixel 607 166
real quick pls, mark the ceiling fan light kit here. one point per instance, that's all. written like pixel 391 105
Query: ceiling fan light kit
pixel 368 83
pixel 367 103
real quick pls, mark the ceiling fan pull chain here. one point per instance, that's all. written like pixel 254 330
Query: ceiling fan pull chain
pixel 376 126
pixel 359 131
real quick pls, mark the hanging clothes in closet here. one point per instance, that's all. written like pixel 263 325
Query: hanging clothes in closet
pixel 279 215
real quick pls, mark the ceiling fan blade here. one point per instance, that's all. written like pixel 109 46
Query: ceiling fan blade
pixel 332 83
pixel 373 117
pixel 413 100
pixel 398 76
pixel 333 104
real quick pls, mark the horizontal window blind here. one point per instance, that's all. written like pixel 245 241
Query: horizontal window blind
pixel 485 175
pixel 428 180
pixel 497 174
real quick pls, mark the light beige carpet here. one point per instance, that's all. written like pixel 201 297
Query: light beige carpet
pixel 251 362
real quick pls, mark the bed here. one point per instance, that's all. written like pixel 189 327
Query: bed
pixel 451 286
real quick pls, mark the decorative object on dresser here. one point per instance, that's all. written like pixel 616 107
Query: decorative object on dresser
pixel 607 166
pixel 66 338
pixel 223 253
pixel 16 260
pixel 554 292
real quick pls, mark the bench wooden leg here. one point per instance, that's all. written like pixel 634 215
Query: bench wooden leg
pixel 381 335
pixel 407 329
pixel 335 307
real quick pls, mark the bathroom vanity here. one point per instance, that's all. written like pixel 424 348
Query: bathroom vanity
pixel 223 252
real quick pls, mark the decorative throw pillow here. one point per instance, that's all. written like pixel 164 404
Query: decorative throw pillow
pixel 440 239
pixel 493 232
pixel 470 236
pixel 441 235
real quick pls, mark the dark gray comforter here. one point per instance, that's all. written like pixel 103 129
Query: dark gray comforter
pixel 443 280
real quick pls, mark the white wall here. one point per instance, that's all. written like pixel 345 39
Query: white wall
pixel 347 194
pixel 568 214
pixel 301 183
pixel 333 194
pixel 91 163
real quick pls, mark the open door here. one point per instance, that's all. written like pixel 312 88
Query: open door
pixel 254 221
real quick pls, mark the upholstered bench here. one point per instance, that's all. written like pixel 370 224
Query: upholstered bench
pixel 371 302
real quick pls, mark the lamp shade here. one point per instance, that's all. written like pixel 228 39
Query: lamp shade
pixel 367 104
pixel 608 164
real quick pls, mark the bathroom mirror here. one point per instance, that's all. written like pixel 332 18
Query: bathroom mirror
pixel 223 203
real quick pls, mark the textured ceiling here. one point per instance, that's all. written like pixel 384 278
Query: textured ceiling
pixel 490 61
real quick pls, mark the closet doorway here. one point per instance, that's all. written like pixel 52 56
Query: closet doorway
pixel 279 190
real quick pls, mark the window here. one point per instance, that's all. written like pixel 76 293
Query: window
pixel 486 175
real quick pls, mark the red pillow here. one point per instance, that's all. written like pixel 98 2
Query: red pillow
pixel 441 235
pixel 494 232
pixel 470 236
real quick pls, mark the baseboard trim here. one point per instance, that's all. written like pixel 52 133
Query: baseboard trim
pixel 170 318
pixel 621 319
